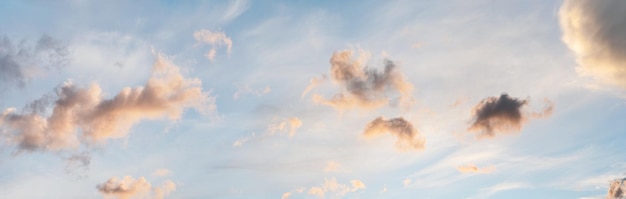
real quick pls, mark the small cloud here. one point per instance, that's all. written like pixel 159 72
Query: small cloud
pixel 243 140
pixel 129 187
pixel 215 39
pixel 313 83
pixel 335 189
pixel 362 86
pixel 503 114
pixel 408 136
pixel 289 125
pixel 471 168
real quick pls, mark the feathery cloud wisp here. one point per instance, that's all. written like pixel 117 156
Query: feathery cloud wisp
pixel 471 168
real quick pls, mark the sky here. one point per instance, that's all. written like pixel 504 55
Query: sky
pixel 313 99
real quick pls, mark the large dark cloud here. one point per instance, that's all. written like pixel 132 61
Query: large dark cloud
pixel 19 61
pixel 362 86
pixel 503 114
pixel 596 30
pixel 408 136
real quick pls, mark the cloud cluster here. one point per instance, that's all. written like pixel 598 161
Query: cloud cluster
pixel 503 114
pixel 81 115
pixel 330 188
pixel 408 136
pixel 595 31
pixel 361 86
pixel 129 187
pixel 616 189
pixel 215 39
pixel 471 168
pixel 20 61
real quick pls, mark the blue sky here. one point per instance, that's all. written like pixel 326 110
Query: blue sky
pixel 233 117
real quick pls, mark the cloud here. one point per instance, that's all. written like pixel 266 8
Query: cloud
pixel 236 8
pixel 82 116
pixel 595 31
pixel 362 86
pixel 129 187
pixel 20 61
pixel 292 123
pixel 243 140
pixel 214 39
pixel 503 114
pixel 616 189
pixel 408 136
pixel 314 82
pixel 336 189
pixel 471 168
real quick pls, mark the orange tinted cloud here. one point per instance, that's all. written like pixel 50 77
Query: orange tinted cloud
pixel 362 86
pixel 408 136
pixel 215 39
pixel 129 187
pixel 82 115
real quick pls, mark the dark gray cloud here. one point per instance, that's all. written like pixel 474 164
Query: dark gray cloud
pixel 503 114
pixel 595 31
pixel 19 61
pixel 362 86
pixel 616 189
pixel 408 136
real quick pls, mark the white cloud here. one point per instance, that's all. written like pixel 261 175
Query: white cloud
pixel 595 31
